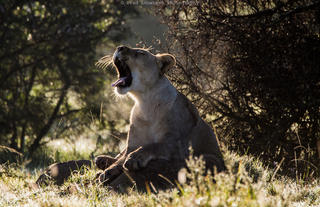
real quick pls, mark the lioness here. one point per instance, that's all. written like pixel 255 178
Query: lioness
pixel 163 123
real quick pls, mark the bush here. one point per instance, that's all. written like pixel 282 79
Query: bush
pixel 252 68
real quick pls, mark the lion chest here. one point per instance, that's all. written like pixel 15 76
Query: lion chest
pixel 147 129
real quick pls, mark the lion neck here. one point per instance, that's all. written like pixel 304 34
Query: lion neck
pixel 163 92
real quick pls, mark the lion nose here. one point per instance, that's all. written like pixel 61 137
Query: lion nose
pixel 122 48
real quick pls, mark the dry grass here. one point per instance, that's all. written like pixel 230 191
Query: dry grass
pixel 248 183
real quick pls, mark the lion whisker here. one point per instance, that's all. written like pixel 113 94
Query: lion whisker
pixel 104 62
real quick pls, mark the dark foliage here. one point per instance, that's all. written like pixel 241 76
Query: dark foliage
pixel 47 58
pixel 253 67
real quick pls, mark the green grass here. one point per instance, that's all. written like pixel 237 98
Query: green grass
pixel 247 183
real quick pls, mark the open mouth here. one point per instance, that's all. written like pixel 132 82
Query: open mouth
pixel 124 74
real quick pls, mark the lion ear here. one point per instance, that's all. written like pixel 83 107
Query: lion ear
pixel 166 61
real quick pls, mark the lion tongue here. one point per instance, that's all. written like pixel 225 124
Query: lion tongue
pixel 120 81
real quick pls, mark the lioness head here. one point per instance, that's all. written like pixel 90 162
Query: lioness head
pixel 138 69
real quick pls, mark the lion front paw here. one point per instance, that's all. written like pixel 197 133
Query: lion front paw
pixel 109 174
pixel 137 160
pixel 104 161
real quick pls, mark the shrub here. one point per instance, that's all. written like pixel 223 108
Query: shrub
pixel 252 68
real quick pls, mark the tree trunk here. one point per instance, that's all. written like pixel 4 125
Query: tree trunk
pixel 45 129
pixel 22 138
pixel 13 141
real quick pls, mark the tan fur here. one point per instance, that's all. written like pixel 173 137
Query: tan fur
pixel 163 122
